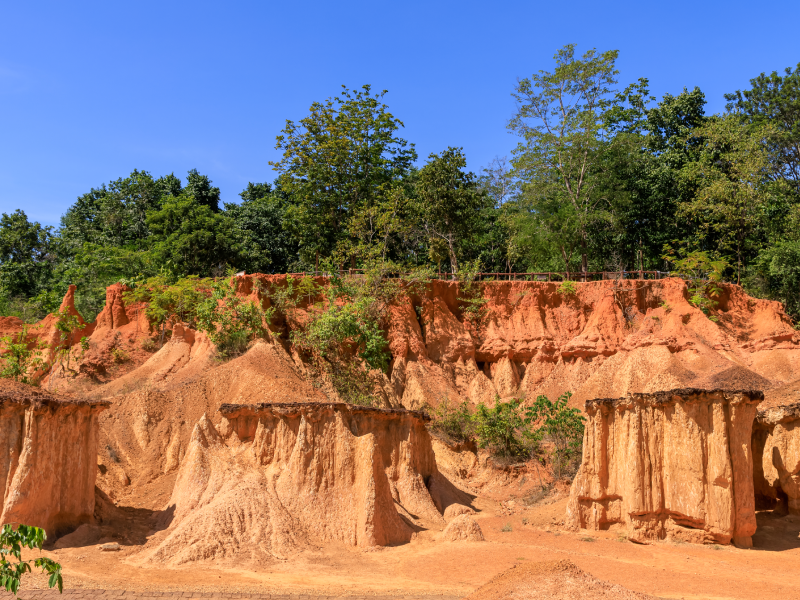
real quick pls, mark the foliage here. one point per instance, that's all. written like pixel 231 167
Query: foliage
pixel 561 425
pixel 567 288
pixel 452 421
pixel 192 238
pixel 501 429
pixel 775 100
pixel 561 119
pixel 12 541
pixel 731 180
pixel 20 361
pixel 448 204
pixel 337 161
pixel 25 255
pixel 702 272
pixel 230 320
pixel 776 275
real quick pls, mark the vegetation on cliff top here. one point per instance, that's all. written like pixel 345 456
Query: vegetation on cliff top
pixel 604 177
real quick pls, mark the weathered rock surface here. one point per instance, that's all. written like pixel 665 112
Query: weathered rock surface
pixel 463 528
pixel 273 479
pixel 776 448
pixel 48 458
pixel 675 465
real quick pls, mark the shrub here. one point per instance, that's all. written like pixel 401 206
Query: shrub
pixel 12 541
pixel 19 360
pixel 453 422
pixel 702 272
pixel 561 425
pixel 502 429
pixel 148 345
pixel 567 288
pixel 119 355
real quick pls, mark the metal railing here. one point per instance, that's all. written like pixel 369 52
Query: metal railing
pixel 554 276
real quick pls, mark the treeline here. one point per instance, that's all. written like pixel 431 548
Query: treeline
pixel 602 178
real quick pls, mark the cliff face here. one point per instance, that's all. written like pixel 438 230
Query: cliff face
pixel 608 339
pixel 675 465
pixel 272 479
pixel 776 448
pixel 48 458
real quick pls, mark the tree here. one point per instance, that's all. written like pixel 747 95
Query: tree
pixel 25 255
pixel 775 100
pixel 448 202
pixel 561 118
pixel 730 179
pixel 266 246
pixel 199 187
pixel 12 541
pixel 336 161
pixel 191 238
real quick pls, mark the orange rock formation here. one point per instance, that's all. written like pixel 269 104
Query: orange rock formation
pixel 272 479
pixel 674 465
pixel 776 448
pixel 49 458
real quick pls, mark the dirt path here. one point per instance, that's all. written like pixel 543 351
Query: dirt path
pixel 428 568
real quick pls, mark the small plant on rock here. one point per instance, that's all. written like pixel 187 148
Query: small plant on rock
pixel 19 360
pixel 567 288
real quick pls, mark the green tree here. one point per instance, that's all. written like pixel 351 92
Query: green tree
pixel 775 100
pixel 448 203
pixel 731 180
pixel 191 238
pixel 562 120
pixel 20 361
pixel 501 428
pixel 12 567
pixel 335 161
pixel 26 258
pixel 199 187
pixel 266 246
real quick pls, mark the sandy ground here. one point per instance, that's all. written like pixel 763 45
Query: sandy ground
pixel 426 566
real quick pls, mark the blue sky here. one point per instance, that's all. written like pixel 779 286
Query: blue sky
pixel 90 91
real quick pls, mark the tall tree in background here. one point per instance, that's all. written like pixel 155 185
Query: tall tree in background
pixel 560 118
pixel 448 204
pixel 265 245
pixel 731 179
pixel 336 161
pixel 26 259
pixel 775 100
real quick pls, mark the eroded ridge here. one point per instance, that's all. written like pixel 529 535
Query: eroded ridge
pixel 48 458
pixel 669 465
pixel 273 479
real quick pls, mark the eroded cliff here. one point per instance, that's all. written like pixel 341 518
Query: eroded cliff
pixel 273 479
pixel 675 465
pixel 48 458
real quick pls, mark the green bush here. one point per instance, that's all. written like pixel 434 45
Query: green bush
pixel 502 429
pixel 562 426
pixel 19 361
pixel 568 288
pixel 452 421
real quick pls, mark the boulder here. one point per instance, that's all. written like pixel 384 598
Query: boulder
pixel 455 510
pixel 463 529
pixel 48 458
pixel 674 465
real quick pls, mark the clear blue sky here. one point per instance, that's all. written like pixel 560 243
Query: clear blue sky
pixel 92 90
